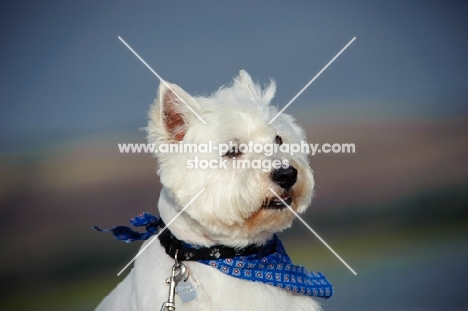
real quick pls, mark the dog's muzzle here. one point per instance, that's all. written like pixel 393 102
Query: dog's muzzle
pixel 285 177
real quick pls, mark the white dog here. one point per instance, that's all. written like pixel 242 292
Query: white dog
pixel 226 236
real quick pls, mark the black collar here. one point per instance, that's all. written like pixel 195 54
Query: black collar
pixel 195 253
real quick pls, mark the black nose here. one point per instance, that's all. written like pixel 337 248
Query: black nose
pixel 285 177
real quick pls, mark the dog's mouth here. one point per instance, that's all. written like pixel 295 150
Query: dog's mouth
pixel 276 203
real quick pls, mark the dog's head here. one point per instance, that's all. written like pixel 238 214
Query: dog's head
pixel 237 201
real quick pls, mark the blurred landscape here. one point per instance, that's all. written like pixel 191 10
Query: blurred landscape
pixel 396 210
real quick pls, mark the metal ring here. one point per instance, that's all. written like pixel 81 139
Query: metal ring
pixel 175 257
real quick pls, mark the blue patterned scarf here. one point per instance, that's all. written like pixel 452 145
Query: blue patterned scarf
pixel 268 264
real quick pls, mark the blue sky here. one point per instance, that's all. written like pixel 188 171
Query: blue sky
pixel 65 74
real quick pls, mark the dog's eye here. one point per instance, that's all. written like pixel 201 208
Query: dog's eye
pixel 234 152
pixel 278 140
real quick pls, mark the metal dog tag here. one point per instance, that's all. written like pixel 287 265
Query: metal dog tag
pixel 187 292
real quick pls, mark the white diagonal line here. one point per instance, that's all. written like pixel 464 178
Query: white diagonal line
pixel 313 79
pixel 162 230
pixel 315 233
pixel 161 79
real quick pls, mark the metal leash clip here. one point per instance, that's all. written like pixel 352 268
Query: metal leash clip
pixel 179 273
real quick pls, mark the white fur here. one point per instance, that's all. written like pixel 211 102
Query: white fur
pixel 229 211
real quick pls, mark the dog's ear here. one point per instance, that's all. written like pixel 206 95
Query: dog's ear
pixel 244 78
pixel 255 92
pixel 177 110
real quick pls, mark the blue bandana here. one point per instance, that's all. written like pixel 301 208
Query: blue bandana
pixel 268 264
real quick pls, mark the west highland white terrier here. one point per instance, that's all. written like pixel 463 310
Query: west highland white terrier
pixel 220 250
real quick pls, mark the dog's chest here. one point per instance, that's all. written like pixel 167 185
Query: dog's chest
pixel 214 290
